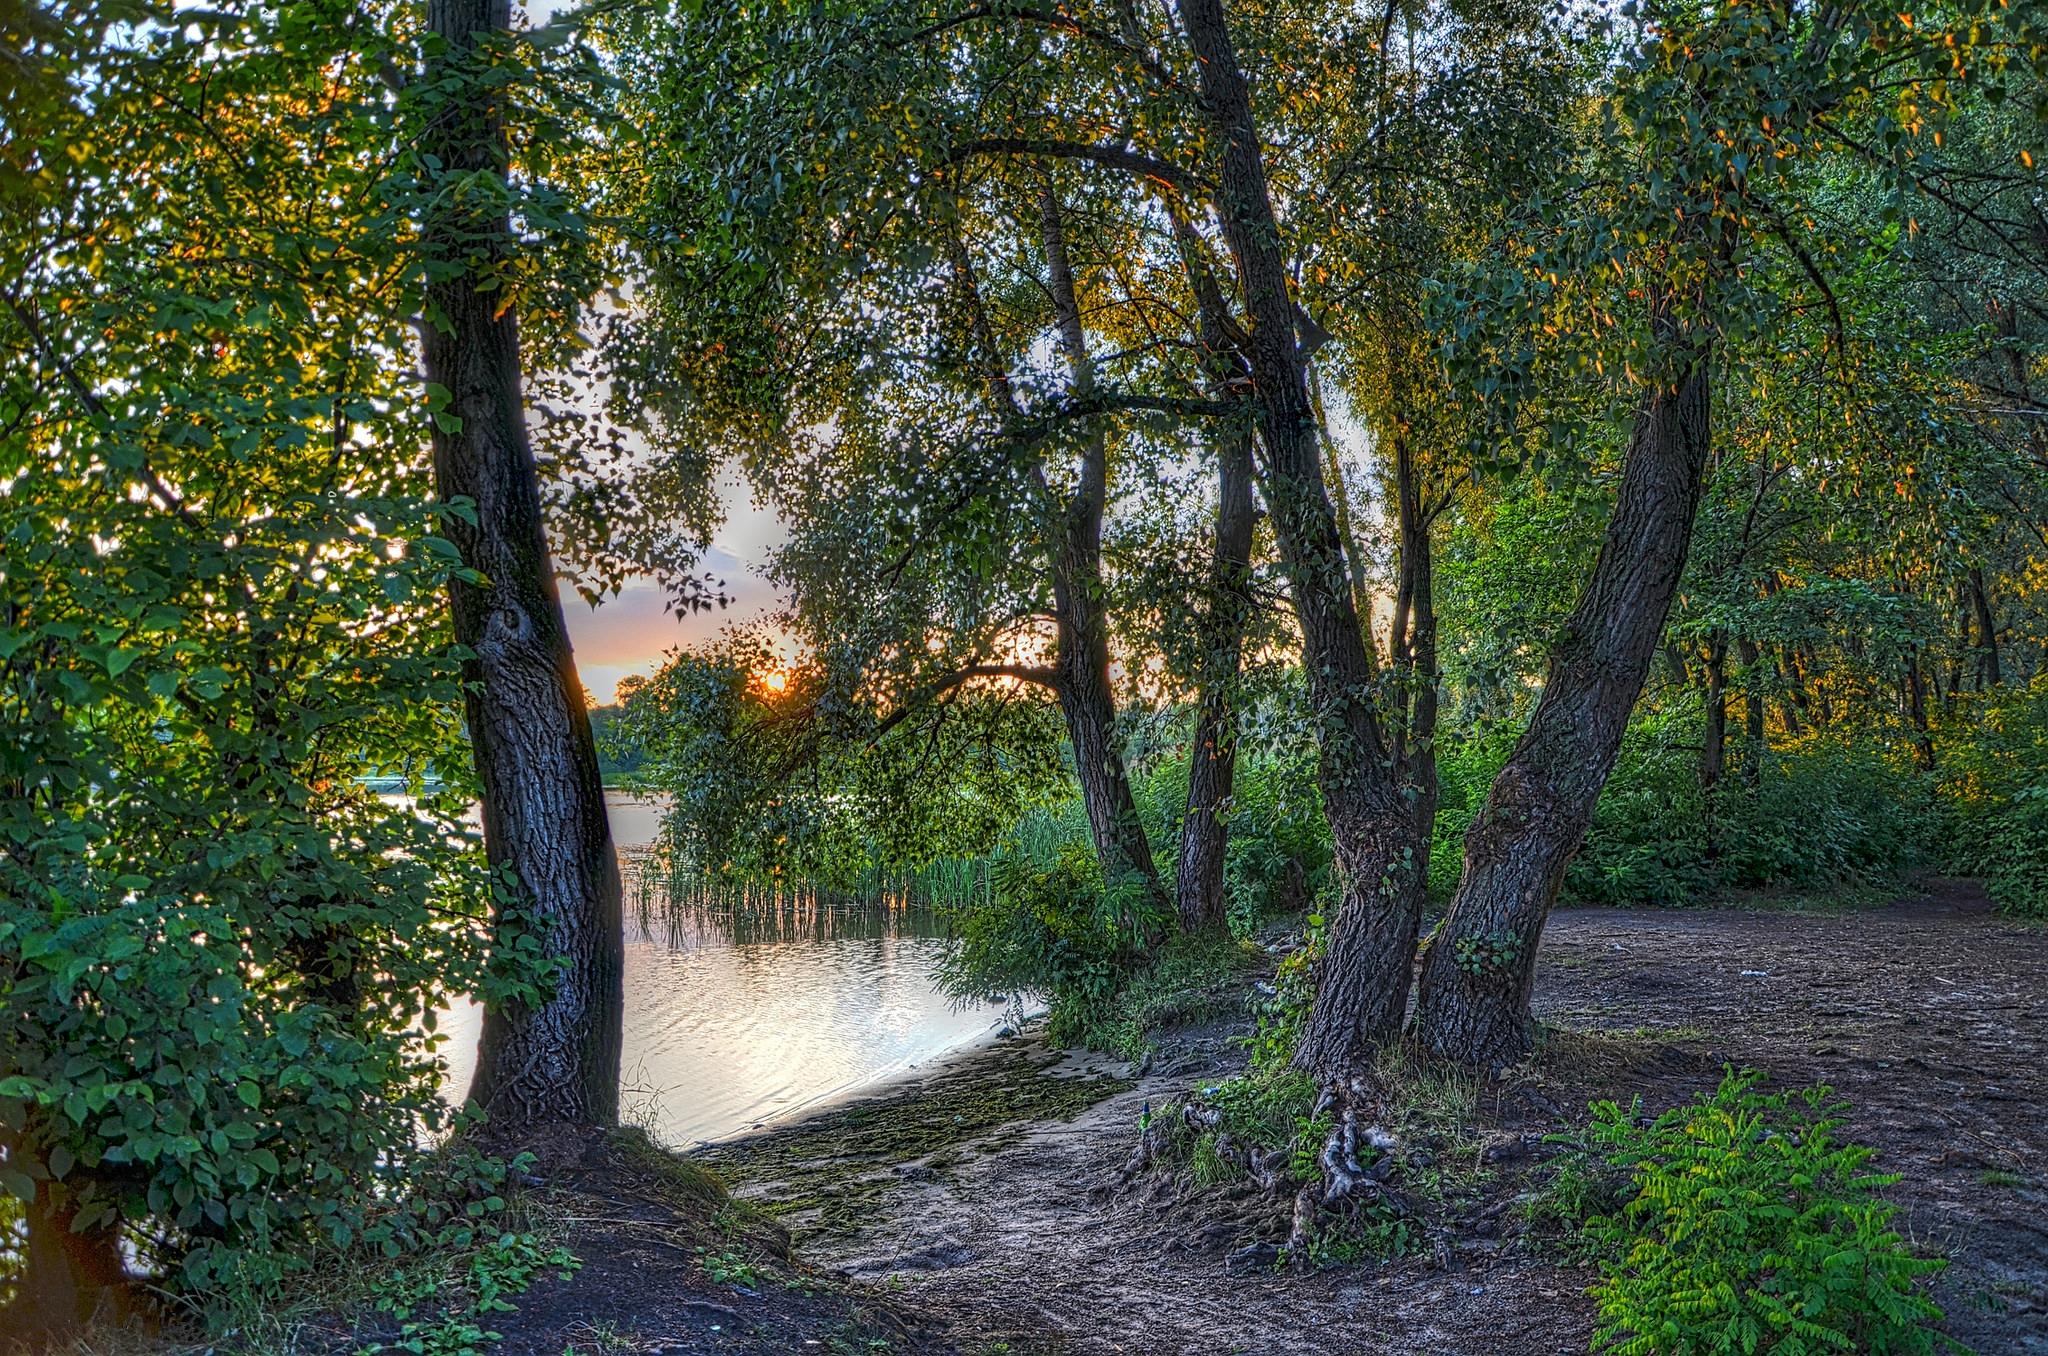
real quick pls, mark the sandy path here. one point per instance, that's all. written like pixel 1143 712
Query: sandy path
pixel 1928 1015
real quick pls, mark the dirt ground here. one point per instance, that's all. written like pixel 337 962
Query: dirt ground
pixel 1929 1015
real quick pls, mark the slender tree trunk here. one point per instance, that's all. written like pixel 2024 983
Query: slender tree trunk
pixel 1363 987
pixel 1415 656
pixel 1989 672
pixel 1714 752
pixel 1081 623
pixel 1752 712
pixel 1205 833
pixel 1482 961
pixel 1916 710
pixel 1081 661
pixel 1714 749
pixel 556 1059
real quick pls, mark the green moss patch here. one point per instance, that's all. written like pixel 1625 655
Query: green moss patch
pixel 824 1175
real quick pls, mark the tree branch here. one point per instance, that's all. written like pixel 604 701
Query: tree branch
pixel 1109 157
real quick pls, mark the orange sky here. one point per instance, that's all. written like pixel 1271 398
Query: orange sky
pixel 631 632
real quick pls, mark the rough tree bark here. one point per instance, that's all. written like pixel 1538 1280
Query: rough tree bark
pixel 1415 661
pixel 1474 1004
pixel 1205 833
pixel 1362 990
pixel 555 1060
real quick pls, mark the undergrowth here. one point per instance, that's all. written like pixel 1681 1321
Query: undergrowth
pixel 1266 1124
pixel 1190 979
pixel 1738 1223
pixel 1054 928
pixel 455 1297
pixel 462 1244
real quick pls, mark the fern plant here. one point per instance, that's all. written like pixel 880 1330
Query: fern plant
pixel 1750 1228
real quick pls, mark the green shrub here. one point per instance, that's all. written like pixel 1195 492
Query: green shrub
pixel 1187 979
pixel 1750 1228
pixel 457 1294
pixel 181 1080
pixel 219 954
pixel 1824 809
pixel 1280 857
pixel 1994 788
pixel 1053 930
pixel 1828 808
pixel 1466 763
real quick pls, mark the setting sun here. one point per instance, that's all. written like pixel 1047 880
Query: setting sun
pixel 774 680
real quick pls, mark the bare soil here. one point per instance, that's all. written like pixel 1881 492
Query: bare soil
pixel 1929 1015
pixel 665 1268
pixel 975 1211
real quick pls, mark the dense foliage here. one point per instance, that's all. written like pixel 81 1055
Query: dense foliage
pixel 1994 782
pixel 1269 430
pixel 222 606
pixel 1867 556
pixel 1749 1227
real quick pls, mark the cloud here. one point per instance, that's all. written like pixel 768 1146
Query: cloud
pixel 631 632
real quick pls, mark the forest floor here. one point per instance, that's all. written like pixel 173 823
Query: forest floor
pixel 1928 1014
pixel 976 1212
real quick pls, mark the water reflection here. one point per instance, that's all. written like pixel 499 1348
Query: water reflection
pixel 745 1006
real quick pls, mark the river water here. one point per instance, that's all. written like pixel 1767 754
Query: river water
pixel 742 1010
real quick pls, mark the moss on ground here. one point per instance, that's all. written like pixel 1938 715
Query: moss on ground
pixel 825 1175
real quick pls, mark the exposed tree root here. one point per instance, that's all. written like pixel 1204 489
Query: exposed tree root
pixel 1355 1164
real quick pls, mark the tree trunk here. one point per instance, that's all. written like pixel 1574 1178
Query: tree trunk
pixel 1791 688
pixel 1081 625
pixel 1204 833
pixel 1362 991
pixel 1482 960
pixel 1714 752
pixel 1415 658
pixel 1989 674
pixel 556 1059
pixel 67 1278
pixel 1916 710
pixel 1752 712
pixel 1714 749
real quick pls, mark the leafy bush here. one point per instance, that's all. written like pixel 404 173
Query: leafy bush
pixel 1750 1228
pixel 1825 809
pixel 1280 856
pixel 163 1072
pixel 458 1294
pixel 223 601
pixel 1186 979
pixel 1466 764
pixel 1828 808
pixel 1053 929
pixel 1994 787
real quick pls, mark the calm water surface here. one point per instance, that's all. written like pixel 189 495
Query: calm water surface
pixel 742 1010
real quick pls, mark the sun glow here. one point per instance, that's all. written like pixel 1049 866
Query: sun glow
pixel 773 680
